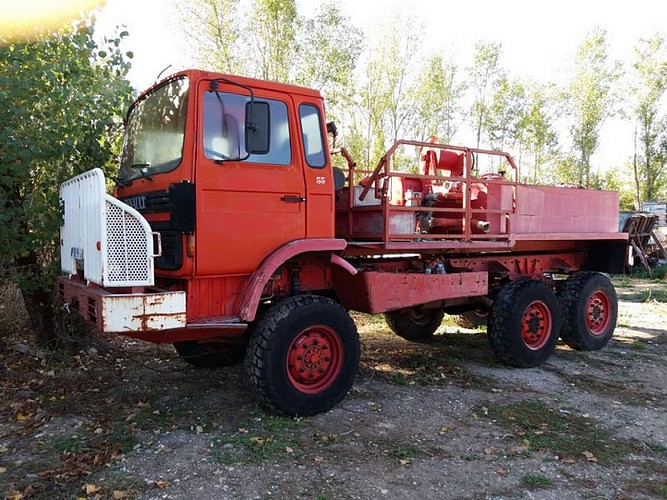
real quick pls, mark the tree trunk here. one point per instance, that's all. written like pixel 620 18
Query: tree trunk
pixel 636 172
pixel 39 301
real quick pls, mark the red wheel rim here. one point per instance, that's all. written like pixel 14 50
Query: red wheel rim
pixel 314 359
pixel 598 308
pixel 536 325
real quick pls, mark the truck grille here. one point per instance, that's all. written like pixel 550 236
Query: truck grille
pixel 154 201
pixel 126 247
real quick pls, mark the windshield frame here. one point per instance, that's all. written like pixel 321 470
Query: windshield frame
pixel 132 166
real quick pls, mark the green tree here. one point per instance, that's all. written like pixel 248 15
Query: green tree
pixel 484 76
pixel 538 134
pixel 61 98
pixel 505 114
pixel 591 100
pixel 329 47
pixel 384 96
pixel 648 90
pixel 273 29
pixel 214 28
pixel 437 99
pixel 619 179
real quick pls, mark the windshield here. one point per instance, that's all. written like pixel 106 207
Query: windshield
pixel 155 131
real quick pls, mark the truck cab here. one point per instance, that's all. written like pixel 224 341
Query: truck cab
pixel 223 169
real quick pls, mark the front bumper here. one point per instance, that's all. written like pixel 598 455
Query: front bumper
pixel 125 313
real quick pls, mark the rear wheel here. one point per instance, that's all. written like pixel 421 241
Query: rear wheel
pixel 590 308
pixel 212 354
pixel 304 355
pixel 471 319
pixel 524 322
pixel 414 323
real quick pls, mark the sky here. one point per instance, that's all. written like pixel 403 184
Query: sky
pixel 539 39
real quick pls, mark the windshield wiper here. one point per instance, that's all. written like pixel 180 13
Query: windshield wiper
pixel 142 168
pixel 121 183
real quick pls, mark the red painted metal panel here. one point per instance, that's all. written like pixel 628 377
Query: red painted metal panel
pixel 544 209
pixel 376 292
pixel 213 297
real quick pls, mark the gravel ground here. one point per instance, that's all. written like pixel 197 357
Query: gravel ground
pixel 125 419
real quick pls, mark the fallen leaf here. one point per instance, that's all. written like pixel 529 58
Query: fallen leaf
pixel 491 451
pixel 589 456
pixel 444 429
pixel 501 472
pixel 91 488
pixel 288 449
pixel 3 470
pixel 162 484
pixel 569 461
pixel 256 440
pixel 199 429
pixel 318 459
pixel 21 417
pixel 404 461
pixel 117 494
pixel 13 495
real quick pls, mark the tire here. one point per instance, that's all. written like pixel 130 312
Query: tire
pixel 287 360
pixel 414 323
pixel 590 311
pixel 211 354
pixel 524 322
pixel 471 319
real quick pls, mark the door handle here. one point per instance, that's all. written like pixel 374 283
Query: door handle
pixel 293 199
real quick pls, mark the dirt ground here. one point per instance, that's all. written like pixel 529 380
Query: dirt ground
pixel 125 419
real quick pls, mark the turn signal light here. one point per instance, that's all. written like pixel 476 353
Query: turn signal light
pixel 190 245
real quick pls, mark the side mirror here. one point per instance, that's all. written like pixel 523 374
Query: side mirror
pixel 257 127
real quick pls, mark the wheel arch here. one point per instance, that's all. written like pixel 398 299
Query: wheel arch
pixel 328 250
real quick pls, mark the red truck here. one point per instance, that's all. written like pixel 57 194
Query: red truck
pixel 231 235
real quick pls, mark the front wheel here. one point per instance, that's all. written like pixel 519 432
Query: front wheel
pixel 304 355
pixel 524 322
pixel 590 307
pixel 414 323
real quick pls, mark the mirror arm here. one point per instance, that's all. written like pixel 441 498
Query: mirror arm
pixel 249 129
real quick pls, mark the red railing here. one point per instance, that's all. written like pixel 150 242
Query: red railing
pixel 489 220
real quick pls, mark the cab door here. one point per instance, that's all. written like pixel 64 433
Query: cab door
pixel 247 205
pixel 320 187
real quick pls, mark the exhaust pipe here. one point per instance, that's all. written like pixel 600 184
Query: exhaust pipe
pixel 481 225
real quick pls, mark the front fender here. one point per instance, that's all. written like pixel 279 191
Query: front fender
pixel 252 292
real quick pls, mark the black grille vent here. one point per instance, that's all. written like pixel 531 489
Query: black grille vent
pixel 172 247
pixel 145 203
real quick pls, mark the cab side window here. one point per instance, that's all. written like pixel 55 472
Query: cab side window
pixel 224 129
pixel 311 134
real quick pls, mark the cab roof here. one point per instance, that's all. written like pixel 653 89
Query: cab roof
pixel 195 75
